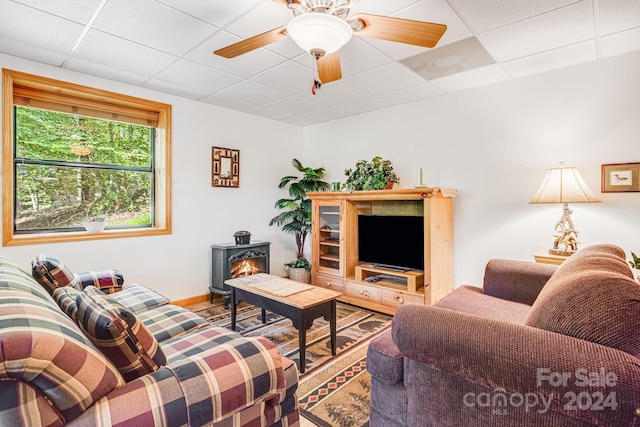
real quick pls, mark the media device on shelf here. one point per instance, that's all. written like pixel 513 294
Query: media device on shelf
pixel 391 241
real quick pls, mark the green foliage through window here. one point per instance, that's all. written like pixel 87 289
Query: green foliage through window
pixel 69 168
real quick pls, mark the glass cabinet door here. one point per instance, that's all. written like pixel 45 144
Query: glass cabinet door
pixel 329 239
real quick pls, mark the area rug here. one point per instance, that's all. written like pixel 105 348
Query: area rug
pixel 338 395
pixel 355 326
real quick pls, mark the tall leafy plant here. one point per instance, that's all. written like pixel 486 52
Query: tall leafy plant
pixel 296 215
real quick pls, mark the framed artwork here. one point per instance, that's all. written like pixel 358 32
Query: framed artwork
pixel 225 167
pixel 620 177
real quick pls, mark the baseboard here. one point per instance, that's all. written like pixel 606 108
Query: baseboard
pixel 192 300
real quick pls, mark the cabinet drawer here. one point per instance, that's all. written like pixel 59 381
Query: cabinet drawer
pixel 330 282
pixel 362 291
pixel 393 298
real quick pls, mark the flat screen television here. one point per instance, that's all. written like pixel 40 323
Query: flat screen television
pixel 392 241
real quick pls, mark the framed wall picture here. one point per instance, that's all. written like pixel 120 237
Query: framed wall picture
pixel 620 177
pixel 225 167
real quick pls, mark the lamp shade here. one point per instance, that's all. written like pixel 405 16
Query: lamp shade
pixel 319 32
pixel 564 185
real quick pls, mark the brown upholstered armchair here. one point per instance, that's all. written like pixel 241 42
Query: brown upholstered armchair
pixel 535 346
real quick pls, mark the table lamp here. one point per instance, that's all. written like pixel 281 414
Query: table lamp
pixel 564 185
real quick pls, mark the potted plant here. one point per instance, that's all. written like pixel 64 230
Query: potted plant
pixel 296 216
pixel 377 174
pixel 635 264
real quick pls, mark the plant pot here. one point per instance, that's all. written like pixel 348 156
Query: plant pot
pixel 389 185
pixel 299 274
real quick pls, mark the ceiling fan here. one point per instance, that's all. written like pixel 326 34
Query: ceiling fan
pixel 322 27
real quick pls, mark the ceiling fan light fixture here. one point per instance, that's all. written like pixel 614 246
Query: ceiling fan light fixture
pixel 315 32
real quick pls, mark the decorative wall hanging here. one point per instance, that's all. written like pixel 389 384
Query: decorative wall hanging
pixel 225 167
pixel 620 177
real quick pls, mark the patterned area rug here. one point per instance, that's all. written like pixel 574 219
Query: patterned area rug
pixel 334 391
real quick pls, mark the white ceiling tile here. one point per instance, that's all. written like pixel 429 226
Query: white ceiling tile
pixel 618 15
pixel 300 121
pixel 558 58
pixel 106 49
pixel 105 71
pixel 75 10
pixel 269 114
pixel 252 93
pixel 34 53
pixel 333 93
pixel 227 103
pixel 37 28
pixel 153 24
pixel 380 7
pixel 369 103
pixel 201 77
pixel 620 43
pixel 175 89
pixel 384 79
pixel 472 78
pixel 289 77
pixel 266 16
pixel 246 65
pixel 357 56
pixel 483 15
pixel 293 105
pixel 316 117
pixel 411 93
pixel 287 48
pixel 562 27
pixel 218 13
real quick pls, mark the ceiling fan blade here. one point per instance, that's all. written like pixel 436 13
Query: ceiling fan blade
pixel 252 43
pixel 329 67
pixel 400 30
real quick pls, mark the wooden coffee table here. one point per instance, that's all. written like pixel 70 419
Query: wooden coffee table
pixel 300 303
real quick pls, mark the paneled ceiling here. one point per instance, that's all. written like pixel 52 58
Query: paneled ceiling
pixel 167 45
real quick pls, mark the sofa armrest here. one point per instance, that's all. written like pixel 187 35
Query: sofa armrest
pixel 108 281
pixel 518 281
pixel 200 389
pixel 520 359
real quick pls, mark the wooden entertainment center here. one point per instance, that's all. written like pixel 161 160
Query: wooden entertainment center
pixel 334 245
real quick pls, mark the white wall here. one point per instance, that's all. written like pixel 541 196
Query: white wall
pixel 177 265
pixel 494 144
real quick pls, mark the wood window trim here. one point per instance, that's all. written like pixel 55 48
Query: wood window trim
pixel 23 89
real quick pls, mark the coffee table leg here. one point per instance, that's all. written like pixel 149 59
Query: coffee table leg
pixel 332 327
pixel 302 341
pixel 233 309
pixel 264 316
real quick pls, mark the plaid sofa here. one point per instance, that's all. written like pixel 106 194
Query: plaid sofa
pixel 71 354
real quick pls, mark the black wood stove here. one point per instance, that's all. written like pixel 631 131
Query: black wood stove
pixel 230 260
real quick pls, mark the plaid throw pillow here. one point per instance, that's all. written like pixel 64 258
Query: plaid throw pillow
pixel 117 332
pixel 108 281
pixel 66 299
pixel 51 273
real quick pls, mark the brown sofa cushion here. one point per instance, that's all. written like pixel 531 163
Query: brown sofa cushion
pixel 471 300
pixel 592 296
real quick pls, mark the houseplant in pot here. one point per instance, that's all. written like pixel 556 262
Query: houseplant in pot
pixel 635 264
pixel 377 174
pixel 295 217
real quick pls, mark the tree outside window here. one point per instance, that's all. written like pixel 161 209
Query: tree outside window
pixel 70 168
pixel 73 153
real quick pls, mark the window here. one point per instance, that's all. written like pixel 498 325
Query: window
pixel 71 153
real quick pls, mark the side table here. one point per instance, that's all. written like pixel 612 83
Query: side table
pixel 544 257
